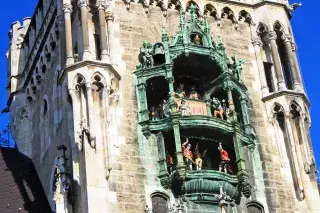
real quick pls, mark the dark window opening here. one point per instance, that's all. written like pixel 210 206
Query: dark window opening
pixel 285 65
pixel 98 46
pixel 269 77
pixel 157 92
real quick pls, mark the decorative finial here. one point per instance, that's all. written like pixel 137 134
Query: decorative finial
pixel 193 12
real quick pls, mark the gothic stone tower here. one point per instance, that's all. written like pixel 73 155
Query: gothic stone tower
pixel 118 103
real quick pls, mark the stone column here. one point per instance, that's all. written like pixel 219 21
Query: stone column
pixel 245 116
pixel 176 130
pixel 294 69
pixel 256 42
pixel 162 156
pixel 103 31
pixel 110 25
pixel 272 36
pixel 67 9
pixel 144 113
pixel 230 99
pixel 85 33
pixel 295 59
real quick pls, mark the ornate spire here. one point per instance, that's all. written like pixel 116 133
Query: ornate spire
pixel 193 12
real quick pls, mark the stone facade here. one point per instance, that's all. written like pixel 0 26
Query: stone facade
pixel 72 82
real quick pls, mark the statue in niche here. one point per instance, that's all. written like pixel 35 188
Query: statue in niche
pixel 199 157
pixel 225 160
pixel 217 108
pixel 236 68
pixel 193 93
pixel 154 114
pixel 197 40
pixel 169 161
pixel 184 109
pixel 187 153
pixel 146 55
pixel 166 109
pixel 180 91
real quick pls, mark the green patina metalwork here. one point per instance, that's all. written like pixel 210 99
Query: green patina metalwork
pixel 198 186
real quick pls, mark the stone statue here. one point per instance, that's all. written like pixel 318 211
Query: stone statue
pixel 198 157
pixel 184 109
pixel 146 55
pixel 225 160
pixel 217 108
pixel 193 93
pixel 180 91
pixel 187 153
pixel 237 68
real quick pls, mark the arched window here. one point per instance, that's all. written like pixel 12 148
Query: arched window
pixel 44 127
pixel 159 203
pixel 255 207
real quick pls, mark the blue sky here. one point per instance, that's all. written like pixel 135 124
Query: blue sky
pixel 306 29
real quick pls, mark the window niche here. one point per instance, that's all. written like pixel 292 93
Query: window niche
pixel 255 207
pixel 160 203
pixel 157 91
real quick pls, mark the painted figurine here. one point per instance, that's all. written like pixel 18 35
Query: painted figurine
pixel 198 157
pixel 218 109
pixel 197 40
pixel 166 109
pixel 184 109
pixel 193 93
pixel 225 160
pixel 154 114
pixel 180 91
pixel 187 153
pixel 169 161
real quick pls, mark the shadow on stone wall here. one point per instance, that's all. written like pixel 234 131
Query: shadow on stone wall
pixel 20 187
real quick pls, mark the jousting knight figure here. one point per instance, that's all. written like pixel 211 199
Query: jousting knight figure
pixel 225 160
pixel 187 153
pixel 184 108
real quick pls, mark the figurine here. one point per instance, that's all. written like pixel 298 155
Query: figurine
pixel 237 68
pixel 193 93
pixel 169 160
pixel 180 91
pixel 146 55
pixel 225 160
pixel 184 108
pixel 198 157
pixel 218 109
pixel 187 153
pixel 166 109
pixel 154 114
pixel 197 40
pixel 160 111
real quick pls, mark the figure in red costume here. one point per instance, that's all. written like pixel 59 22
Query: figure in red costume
pixel 225 160
pixel 187 153
pixel 169 160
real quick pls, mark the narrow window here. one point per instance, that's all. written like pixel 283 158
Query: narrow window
pixel 98 47
pixel 268 72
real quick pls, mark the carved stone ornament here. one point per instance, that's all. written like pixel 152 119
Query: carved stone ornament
pixel 271 35
pixel 286 38
pixel 67 8
pixel 101 4
pixel 82 3
pixel 256 41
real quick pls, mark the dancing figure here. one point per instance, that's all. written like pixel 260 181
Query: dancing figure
pixel 187 153
pixel 225 160
pixel 193 93
pixel 184 109
pixel 169 161
pixel 180 91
